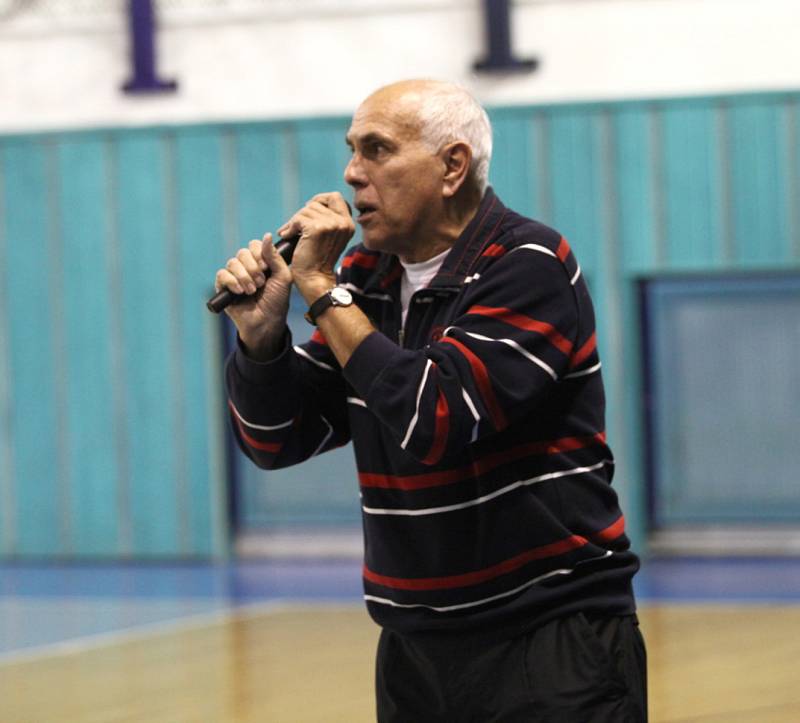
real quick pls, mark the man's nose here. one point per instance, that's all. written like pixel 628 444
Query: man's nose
pixel 354 173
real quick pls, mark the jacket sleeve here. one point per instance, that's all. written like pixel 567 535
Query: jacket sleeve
pixel 290 408
pixel 517 333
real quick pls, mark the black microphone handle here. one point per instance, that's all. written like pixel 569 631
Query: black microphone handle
pixel 225 297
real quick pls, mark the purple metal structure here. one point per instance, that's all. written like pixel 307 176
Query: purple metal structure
pixel 141 24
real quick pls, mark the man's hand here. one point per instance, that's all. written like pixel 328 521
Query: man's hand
pixel 325 226
pixel 260 319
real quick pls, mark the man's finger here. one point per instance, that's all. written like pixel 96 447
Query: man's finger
pixel 251 265
pixel 273 260
pixel 321 203
pixel 225 279
pixel 256 249
pixel 242 275
pixel 334 201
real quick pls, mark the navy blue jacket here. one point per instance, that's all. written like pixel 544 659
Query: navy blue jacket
pixel 478 433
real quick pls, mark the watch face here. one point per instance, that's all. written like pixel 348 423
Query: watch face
pixel 341 296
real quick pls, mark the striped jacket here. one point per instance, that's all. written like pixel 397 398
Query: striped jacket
pixel 478 434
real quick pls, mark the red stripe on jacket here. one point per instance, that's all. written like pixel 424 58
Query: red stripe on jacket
pixel 365 261
pixel 563 250
pixel 526 323
pixel 494 250
pixel 271 447
pixel 318 338
pixel 479 466
pixel 584 352
pixel 612 532
pixel 440 431
pixel 484 384
pixel 479 576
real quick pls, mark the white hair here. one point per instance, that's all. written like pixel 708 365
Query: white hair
pixel 448 113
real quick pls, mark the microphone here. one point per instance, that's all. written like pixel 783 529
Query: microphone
pixel 225 297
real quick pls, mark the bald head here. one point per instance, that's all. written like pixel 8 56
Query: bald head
pixel 407 94
pixel 438 113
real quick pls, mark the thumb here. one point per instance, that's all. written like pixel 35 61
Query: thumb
pixel 274 260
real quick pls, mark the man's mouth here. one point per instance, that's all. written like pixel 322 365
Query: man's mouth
pixel 365 211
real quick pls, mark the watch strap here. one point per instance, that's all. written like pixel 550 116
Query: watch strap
pixel 320 305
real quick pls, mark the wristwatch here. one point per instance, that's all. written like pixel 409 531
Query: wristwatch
pixel 337 296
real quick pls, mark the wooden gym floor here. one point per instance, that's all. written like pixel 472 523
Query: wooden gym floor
pixel 291 643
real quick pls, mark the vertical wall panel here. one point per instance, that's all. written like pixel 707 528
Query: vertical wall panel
pixel 639 250
pixel 7 500
pixel 260 197
pixel 92 468
pixel 575 191
pixel 579 199
pixel 693 192
pixel 759 168
pixel 148 275
pixel 513 169
pixel 176 261
pixel 792 143
pixel 606 291
pixel 322 155
pixel 199 248
pixel 636 162
pixel 35 368
pixel 119 388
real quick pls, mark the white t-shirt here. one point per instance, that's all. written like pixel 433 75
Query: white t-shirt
pixel 418 276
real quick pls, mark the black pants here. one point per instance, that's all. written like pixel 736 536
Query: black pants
pixel 572 670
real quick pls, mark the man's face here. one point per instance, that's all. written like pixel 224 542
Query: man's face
pixel 397 180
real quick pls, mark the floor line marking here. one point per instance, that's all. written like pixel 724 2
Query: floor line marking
pixel 194 621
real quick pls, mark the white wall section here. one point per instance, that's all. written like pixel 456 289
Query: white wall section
pixel 62 62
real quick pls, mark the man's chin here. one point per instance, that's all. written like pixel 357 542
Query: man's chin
pixel 372 241
pixel 381 242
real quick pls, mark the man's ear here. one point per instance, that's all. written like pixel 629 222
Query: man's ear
pixel 457 157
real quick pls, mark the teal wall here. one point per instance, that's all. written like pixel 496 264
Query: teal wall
pixel 111 421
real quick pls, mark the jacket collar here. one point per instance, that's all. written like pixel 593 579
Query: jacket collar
pixel 473 240
pixel 467 248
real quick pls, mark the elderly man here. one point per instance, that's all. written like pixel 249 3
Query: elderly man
pixel 456 348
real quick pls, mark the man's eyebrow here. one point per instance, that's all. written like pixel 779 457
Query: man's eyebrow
pixel 370 137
